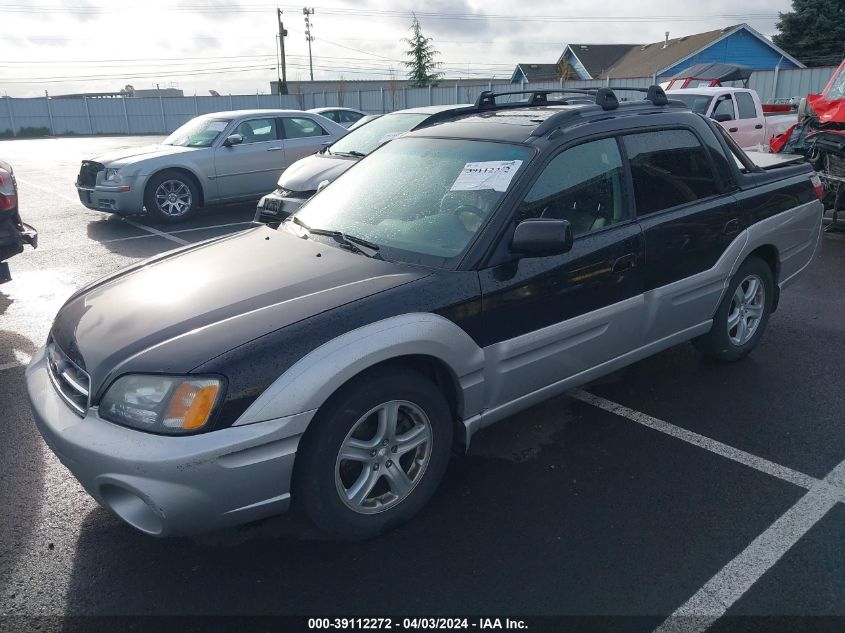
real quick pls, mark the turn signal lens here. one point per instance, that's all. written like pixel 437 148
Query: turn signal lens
pixel 190 405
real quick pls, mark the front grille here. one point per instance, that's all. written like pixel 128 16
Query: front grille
pixel 69 380
pixel 88 173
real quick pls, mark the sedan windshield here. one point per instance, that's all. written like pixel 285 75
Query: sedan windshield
pixel 365 139
pixel 199 132
pixel 422 199
pixel 696 103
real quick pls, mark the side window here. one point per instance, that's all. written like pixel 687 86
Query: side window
pixel 669 168
pixel 349 117
pixel 584 185
pixel 745 103
pixel 257 130
pixel 724 105
pixel 302 128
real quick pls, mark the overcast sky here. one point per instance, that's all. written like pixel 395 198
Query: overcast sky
pixel 68 46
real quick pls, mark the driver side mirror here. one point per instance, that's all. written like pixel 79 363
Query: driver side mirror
pixel 722 117
pixel 233 139
pixel 542 236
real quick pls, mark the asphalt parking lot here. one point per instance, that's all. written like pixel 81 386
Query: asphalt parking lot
pixel 675 487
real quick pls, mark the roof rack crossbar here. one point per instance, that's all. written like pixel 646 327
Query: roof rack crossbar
pixel 487 99
pixel 605 97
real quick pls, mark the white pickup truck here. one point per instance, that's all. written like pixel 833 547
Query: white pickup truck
pixel 739 111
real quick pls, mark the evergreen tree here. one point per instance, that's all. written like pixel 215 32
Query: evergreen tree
pixel 813 32
pixel 422 65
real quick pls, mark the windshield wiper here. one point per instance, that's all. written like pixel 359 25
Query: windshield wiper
pixel 351 152
pixel 357 244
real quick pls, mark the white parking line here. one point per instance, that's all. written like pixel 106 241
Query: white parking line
pixel 713 600
pixel 150 229
pixel 213 226
pixel 12 365
pixel 45 190
pixel 714 446
pixel 142 227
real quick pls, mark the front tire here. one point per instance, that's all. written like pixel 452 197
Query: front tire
pixel 742 316
pixel 171 197
pixel 374 454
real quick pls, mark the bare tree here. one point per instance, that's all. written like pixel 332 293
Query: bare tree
pixel 341 91
pixel 295 89
pixel 392 88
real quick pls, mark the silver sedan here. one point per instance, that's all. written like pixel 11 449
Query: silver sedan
pixel 212 159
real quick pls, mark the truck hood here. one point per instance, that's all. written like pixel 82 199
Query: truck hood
pixel 130 155
pixel 307 173
pixel 172 314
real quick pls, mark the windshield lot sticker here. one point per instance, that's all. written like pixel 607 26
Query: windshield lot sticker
pixel 217 126
pixel 389 137
pixel 492 174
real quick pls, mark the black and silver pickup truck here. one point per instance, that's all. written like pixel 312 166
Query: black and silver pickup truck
pixel 13 233
pixel 455 276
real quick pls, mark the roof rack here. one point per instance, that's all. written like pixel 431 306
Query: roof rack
pixel 604 97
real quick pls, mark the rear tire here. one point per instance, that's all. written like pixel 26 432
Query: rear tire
pixel 171 197
pixel 374 454
pixel 741 319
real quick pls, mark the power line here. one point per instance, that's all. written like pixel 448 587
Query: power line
pixel 346 11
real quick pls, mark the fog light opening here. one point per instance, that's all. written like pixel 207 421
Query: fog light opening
pixel 131 508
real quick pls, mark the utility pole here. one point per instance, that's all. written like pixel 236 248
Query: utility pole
pixel 308 12
pixel 283 80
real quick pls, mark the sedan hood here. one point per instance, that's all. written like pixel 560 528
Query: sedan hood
pixel 179 311
pixel 130 155
pixel 307 173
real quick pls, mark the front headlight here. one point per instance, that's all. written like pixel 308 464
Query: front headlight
pixel 162 404
pixel 113 175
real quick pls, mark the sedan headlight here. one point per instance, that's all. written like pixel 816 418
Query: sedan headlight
pixel 162 404
pixel 113 175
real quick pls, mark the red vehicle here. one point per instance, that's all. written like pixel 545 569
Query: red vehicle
pixel 709 76
pixel 820 136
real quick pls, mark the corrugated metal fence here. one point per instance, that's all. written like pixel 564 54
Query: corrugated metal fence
pixel 162 115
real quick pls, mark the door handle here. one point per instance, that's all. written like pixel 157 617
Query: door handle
pixel 731 227
pixel 733 129
pixel 275 149
pixel 759 126
pixel 626 262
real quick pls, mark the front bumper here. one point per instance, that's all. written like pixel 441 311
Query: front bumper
pixel 165 485
pixel 274 208
pixel 126 199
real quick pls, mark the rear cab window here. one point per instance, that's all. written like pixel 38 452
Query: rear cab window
pixel 745 103
pixel 669 168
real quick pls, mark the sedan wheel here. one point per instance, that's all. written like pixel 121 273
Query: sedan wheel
pixel 173 198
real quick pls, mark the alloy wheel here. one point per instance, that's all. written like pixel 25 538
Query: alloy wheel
pixel 383 457
pixel 746 310
pixel 173 198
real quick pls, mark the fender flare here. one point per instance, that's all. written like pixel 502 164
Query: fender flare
pixel 307 384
